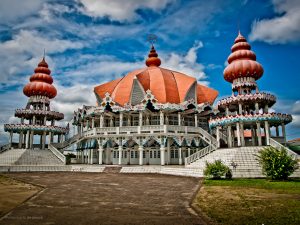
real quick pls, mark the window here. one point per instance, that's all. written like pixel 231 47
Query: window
pixel 144 154
pixel 131 154
pixel 136 154
pixel 154 154
pixel 158 154
pixel 151 154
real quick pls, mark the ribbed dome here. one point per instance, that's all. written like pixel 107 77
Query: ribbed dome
pixel 242 61
pixel 167 86
pixel 41 82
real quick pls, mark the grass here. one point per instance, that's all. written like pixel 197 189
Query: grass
pixel 13 193
pixel 250 201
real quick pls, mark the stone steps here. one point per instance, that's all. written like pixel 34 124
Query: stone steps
pixel 38 157
pixel 112 169
pixel 9 157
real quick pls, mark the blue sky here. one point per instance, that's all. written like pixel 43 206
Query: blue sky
pixel 89 42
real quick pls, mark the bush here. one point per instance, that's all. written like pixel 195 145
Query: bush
pixel 276 163
pixel 217 170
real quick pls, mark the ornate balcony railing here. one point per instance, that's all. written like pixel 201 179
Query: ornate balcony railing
pixel 31 112
pixel 30 127
pixel 271 117
pixel 247 97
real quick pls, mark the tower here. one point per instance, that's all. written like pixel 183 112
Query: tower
pixel 37 118
pixel 244 114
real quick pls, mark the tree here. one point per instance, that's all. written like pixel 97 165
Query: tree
pixel 277 164
pixel 216 170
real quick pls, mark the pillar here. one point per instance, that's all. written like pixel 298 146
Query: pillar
pixel 242 134
pixel 267 133
pixel 253 135
pixel 141 149
pixel 196 120
pixel 92 156
pixel 227 111
pixel 101 120
pixel 283 132
pixel 10 139
pixel 27 139
pixel 161 117
pixel 31 140
pixel 128 120
pixel 229 136
pixel 140 118
pixel 121 120
pixel 218 136
pixel 120 153
pixel 100 149
pixel 277 131
pixel 258 134
pixel 189 151
pixel 93 122
pixel 20 139
pixel 240 108
pixel 256 107
pixel 43 140
pixel 180 156
pixel 162 154
pixel 238 134
pixel 266 109
pixel 179 119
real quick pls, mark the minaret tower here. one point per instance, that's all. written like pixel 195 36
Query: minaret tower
pixel 37 118
pixel 247 108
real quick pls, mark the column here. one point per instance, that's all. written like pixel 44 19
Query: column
pixel 180 156
pixel 227 111
pixel 253 135
pixel 31 140
pixel 229 137
pixel 100 149
pixel 277 131
pixel 10 139
pixel 141 149
pixel 58 138
pixel 238 134
pixel 256 107
pixel 242 134
pixel 283 132
pixel 101 120
pixel 128 120
pixel 92 156
pixel 267 133
pixel 189 151
pixel 218 136
pixel 266 109
pixel 161 117
pixel 179 119
pixel 120 153
pixel 240 108
pixel 196 120
pixel 93 122
pixel 140 118
pixel 258 133
pixel 27 140
pixel 20 139
pixel 121 119
pixel 44 140
pixel 111 122
pixel 162 154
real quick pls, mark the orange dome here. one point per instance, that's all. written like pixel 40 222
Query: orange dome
pixel 167 86
pixel 242 61
pixel 41 82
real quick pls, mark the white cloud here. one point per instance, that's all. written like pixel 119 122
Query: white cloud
pixel 119 10
pixel 11 10
pixel 186 63
pixel 281 29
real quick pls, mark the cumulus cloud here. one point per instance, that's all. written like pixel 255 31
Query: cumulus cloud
pixel 187 63
pixel 11 10
pixel 119 10
pixel 282 29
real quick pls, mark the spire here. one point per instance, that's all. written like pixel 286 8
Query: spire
pixel 153 59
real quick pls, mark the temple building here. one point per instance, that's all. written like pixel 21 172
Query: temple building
pixel 150 116
pixel 245 118
pixel 37 119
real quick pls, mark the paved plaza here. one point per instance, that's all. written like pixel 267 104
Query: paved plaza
pixel 106 198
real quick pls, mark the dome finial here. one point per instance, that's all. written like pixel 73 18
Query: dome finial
pixel 153 59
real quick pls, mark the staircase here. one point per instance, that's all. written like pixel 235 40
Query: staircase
pixel 9 157
pixel 38 157
pixel 67 143
pixel 112 169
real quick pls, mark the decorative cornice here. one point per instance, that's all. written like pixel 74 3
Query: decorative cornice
pixel 25 127
pixel 249 118
pixel 32 112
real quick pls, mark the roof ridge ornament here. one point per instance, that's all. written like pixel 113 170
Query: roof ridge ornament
pixel 153 59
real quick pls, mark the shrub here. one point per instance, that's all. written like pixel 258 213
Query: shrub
pixel 217 170
pixel 276 163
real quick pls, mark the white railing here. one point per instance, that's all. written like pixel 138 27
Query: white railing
pixel 199 154
pixel 277 145
pixel 57 153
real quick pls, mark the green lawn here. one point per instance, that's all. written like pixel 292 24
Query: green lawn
pixel 250 201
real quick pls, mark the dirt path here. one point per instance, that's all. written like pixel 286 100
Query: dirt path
pixel 98 198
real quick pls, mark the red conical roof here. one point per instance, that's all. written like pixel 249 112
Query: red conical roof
pixel 242 61
pixel 41 82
